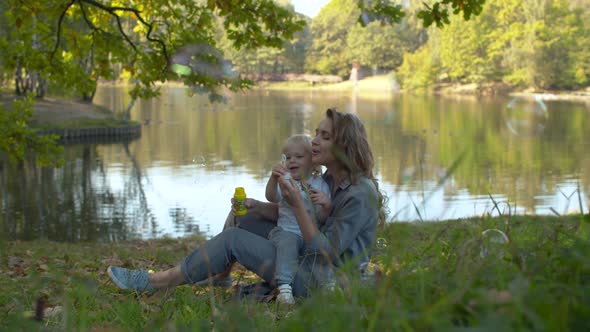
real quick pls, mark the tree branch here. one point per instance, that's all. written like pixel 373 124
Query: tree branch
pixel 113 10
pixel 59 22
pixel 89 23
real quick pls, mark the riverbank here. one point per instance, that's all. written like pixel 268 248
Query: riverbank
pixel 73 121
pixel 432 276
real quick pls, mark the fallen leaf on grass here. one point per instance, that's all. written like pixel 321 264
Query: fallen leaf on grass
pixel 14 261
pixel 53 311
pixel 17 271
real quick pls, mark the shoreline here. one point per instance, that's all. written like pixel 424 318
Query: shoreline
pixel 53 114
pixel 383 86
pixel 573 219
pixel 77 122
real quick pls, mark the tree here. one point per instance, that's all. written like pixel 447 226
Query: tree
pixel 381 46
pixel 437 12
pixel 73 43
pixel 17 140
pixel 289 58
pixel 329 30
pixel 527 44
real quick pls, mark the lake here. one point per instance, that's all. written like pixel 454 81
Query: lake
pixel 436 159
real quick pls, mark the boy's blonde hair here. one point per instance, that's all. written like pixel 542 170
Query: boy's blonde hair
pixel 303 140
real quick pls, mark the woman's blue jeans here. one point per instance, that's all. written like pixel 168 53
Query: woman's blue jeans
pixel 248 245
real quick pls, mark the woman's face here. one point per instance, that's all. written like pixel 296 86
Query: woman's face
pixel 321 145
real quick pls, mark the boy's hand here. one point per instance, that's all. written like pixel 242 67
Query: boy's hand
pixel 291 193
pixel 317 197
pixel 278 170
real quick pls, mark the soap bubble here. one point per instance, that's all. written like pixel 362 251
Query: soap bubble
pixel 408 174
pixel 393 84
pixel 381 243
pixel 389 117
pixel 493 243
pixel 365 18
pixel 203 60
pixel 526 117
pixel 181 70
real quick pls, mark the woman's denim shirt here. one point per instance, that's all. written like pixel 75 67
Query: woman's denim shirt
pixel 350 229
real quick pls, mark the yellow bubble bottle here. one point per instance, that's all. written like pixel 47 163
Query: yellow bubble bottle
pixel 240 202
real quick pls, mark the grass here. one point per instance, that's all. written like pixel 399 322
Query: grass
pixel 432 276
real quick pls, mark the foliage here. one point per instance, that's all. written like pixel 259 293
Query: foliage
pixel 18 140
pixel 74 43
pixel 535 44
pixel 433 276
pixel 438 13
pixel 338 39
pixel 375 45
pixel 289 58
pixel 419 70
pixel 387 11
pixel 329 29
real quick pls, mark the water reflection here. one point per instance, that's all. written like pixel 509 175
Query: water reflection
pixel 177 179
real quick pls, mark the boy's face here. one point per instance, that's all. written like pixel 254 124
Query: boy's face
pixel 298 161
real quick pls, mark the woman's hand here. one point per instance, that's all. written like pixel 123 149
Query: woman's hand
pixel 317 197
pixel 266 210
pixel 251 205
pixel 290 192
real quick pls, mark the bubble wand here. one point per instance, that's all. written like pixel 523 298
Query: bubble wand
pixel 284 163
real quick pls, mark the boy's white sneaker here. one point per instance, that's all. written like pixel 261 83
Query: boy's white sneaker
pixel 285 295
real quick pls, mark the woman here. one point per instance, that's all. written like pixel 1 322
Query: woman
pixel 341 145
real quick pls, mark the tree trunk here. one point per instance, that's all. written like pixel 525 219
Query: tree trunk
pixel 31 83
pixel 88 97
pixel 18 79
pixel 88 64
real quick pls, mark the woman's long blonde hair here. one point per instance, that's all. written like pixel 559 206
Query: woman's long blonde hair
pixel 352 149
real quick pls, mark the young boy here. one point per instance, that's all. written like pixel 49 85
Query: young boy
pixel 287 236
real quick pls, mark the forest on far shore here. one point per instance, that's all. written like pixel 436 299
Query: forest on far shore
pixel 521 43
